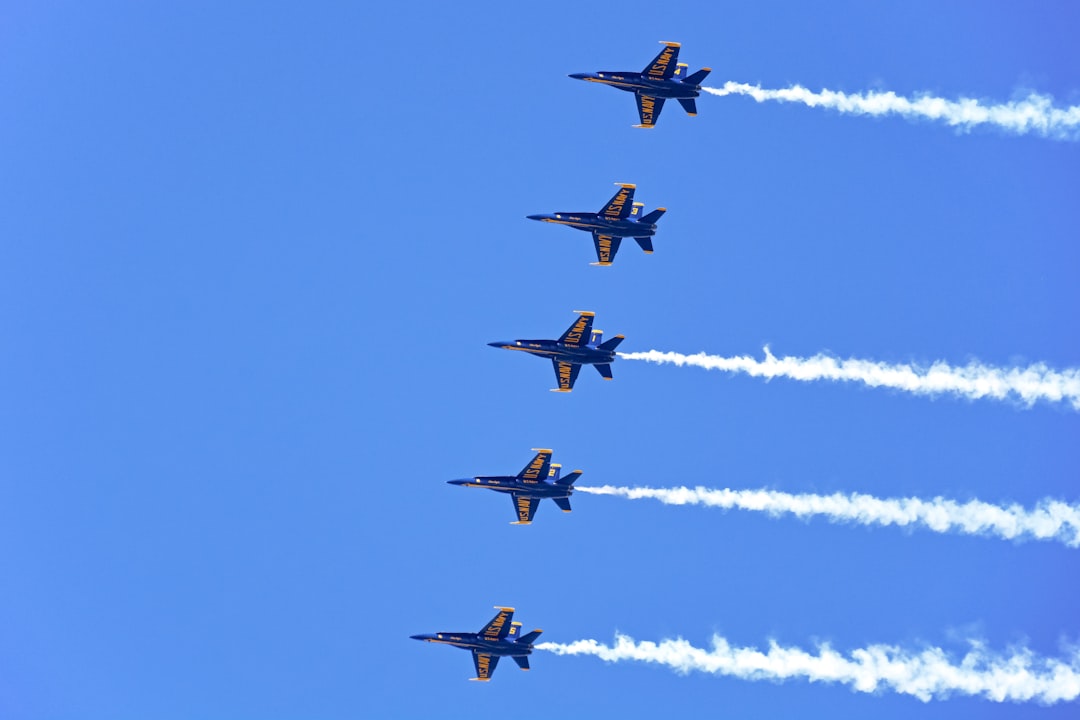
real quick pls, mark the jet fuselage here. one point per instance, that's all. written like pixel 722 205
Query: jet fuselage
pixel 475 641
pixel 554 350
pixel 672 89
pixel 510 484
pixel 596 222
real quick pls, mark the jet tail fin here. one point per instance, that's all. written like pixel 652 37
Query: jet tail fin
pixel 569 479
pixel 530 637
pixel 697 77
pixel 645 243
pixel 522 661
pixel 655 215
pixel 611 344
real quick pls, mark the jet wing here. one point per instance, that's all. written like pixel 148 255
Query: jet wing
pixel 579 332
pixel 619 206
pixel 648 110
pixel 606 247
pixel 663 65
pixel 565 373
pixel 537 469
pixel 499 625
pixel 485 665
pixel 525 507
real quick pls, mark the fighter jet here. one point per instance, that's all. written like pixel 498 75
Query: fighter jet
pixel 620 218
pixel 579 345
pixel 662 79
pixel 528 487
pixel 499 638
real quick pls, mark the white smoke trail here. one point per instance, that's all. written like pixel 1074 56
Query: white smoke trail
pixel 1049 520
pixel 1018 677
pixel 1033 114
pixel 973 381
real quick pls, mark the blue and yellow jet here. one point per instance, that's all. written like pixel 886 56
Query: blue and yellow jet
pixel 579 345
pixel 529 487
pixel 499 638
pixel 663 79
pixel 620 218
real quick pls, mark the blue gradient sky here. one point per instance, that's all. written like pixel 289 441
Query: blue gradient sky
pixel 250 256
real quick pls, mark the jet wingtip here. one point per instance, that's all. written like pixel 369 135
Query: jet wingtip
pixel 601 264
pixel 647 127
pixel 586 313
pixel 503 607
pixel 543 450
pixel 669 43
pixel 626 185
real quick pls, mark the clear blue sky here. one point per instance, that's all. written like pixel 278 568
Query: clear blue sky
pixel 250 256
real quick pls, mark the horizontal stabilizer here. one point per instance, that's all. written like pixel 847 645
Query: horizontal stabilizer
pixel 563 503
pixel 530 637
pixel 697 77
pixel 604 369
pixel 522 661
pixel 655 215
pixel 689 105
pixel 611 344
pixel 569 479
pixel 645 243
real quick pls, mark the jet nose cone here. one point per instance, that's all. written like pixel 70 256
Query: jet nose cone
pixel 456 482
pixel 418 637
pixel 499 344
pixel 578 76
pixel 536 217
